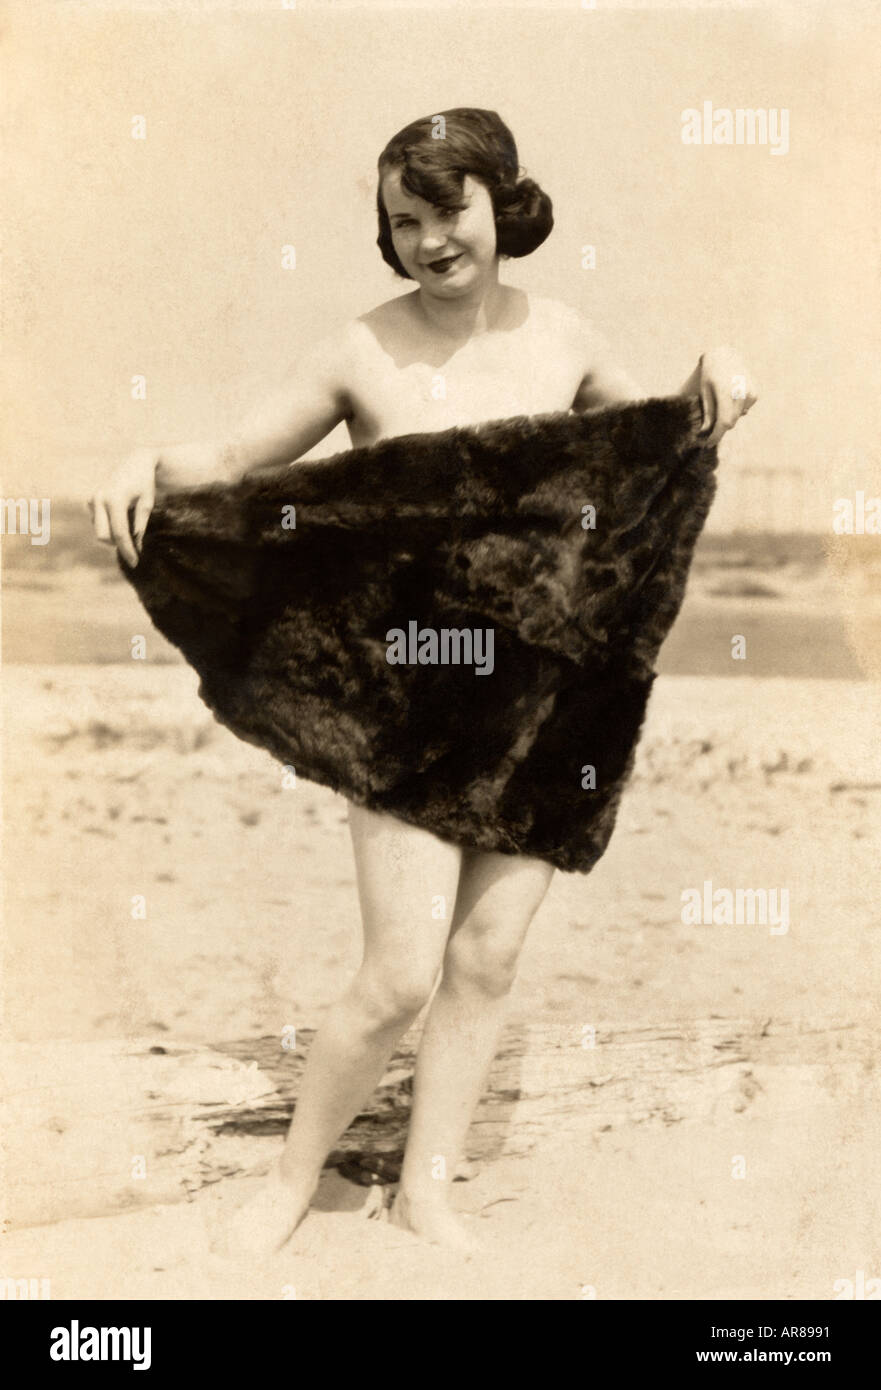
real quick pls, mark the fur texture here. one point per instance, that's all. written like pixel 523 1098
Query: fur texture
pixel 474 527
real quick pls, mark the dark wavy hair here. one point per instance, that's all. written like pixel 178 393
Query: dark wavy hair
pixel 475 142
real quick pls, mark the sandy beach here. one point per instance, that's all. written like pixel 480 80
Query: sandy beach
pixel 118 782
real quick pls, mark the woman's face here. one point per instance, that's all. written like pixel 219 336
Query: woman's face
pixel 447 253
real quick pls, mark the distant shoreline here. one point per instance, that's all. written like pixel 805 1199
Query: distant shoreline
pixel 66 603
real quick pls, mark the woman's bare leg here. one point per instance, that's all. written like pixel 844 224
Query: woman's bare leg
pixel 498 897
pixel 405 877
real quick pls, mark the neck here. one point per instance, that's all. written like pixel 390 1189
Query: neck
pixel 469 314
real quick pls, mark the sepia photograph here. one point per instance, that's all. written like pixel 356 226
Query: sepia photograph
pixel 441 659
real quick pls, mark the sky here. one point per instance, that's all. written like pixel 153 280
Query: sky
pixel 162 256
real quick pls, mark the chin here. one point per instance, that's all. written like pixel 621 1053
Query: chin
pixel 450 291
pixel 462 284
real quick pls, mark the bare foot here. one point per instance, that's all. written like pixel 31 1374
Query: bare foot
pixel 265 1220
pixel 435 1222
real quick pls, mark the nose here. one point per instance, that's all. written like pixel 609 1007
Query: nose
pixel 434 236
pixel 432 247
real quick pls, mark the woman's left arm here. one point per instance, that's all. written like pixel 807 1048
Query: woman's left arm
pixel 723 383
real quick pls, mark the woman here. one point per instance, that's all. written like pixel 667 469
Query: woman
pixel 459 349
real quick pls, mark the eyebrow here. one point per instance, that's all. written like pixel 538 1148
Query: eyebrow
pixel 466 202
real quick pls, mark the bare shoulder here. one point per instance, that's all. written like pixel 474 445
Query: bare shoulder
pixel 570 323
pixel 341 354
pixel 380 330
pixel 391 316
pixel 348 339
pixel 603 380
pixel 326 358
pixel 344 344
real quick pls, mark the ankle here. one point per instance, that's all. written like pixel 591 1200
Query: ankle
pixel 421 1198
pixel 293 1178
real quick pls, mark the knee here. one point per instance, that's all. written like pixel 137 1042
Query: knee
pixel 482 961
pixel 393 998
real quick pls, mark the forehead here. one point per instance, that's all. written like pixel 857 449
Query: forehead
pixel 397 199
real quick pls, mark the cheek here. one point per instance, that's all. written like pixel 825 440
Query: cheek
pixel 482 232
pixel 404 245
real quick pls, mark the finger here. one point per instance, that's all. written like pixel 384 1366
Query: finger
pixel 724 422
pixel 708 404
pixel 730 411
pixel 118 512
pixel 142 516
pixel 100 520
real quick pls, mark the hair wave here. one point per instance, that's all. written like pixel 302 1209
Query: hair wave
pixel 475 142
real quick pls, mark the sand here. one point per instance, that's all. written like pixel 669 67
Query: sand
pixel 118 782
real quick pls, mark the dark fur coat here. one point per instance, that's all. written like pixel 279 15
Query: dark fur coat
pixel 476 527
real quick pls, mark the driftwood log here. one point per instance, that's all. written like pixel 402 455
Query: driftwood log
pixel 98 1127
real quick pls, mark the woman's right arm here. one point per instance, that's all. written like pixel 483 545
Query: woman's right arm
pixel 283 425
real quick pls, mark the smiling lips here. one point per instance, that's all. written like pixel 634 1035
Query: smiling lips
pixel 443 265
